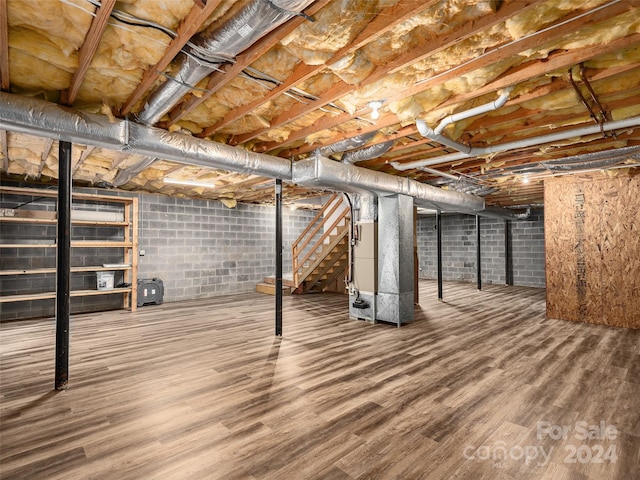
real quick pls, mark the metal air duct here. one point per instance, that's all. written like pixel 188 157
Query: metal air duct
pixel 323 172
pixel 367 153
pixel 44 119
pixel 217 45
pixel 38 117
pixel 345 145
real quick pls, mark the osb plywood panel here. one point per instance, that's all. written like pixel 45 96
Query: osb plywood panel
pixel 592 241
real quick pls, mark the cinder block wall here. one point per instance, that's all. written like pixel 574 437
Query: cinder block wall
pixel 459 249
pixel 198 248
pixel 201 248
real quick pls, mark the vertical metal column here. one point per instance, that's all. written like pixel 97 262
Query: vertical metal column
pixel 508 263
pixel 478 255
pixel 63 266
pixel 278 257
pixel 439 251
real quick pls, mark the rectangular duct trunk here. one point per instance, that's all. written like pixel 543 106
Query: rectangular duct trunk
pixel 395 259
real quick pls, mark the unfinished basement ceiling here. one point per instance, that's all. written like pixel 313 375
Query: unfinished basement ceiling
pixel 309 83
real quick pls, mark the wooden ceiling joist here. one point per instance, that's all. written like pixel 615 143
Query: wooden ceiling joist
pixel 218 79
pixel 490 58
pixel 555 61
pixel 83 158
pixel 4 148
pixel 426 49
pixel 4 47
pixel 89 47
pixel 386 19
pixel 188 27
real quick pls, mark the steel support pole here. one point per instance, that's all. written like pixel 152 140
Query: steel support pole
pixel 508 262
pixel 478 254
pixel 278 257
pixel 63 266
pixel 439 251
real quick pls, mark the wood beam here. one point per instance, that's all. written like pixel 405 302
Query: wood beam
pixel 496 55
pixel 46 149
pixel 218 79
pixel 431 47
pixel 4 146
pixel 555 86
pixel 4 47
pixel 545 36
pixel 89 47
pixel 557 61
pixel 83 157
pixel 188 27
pixel 384 21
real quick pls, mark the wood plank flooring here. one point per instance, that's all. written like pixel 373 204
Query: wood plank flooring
pixel 203 390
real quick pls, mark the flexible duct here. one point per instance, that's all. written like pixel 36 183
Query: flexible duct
pixel 581 166
pixel 466 151
pixel 345 145
pixel 218 44
pixel 583 161
pixel 38 117
pixel 367 153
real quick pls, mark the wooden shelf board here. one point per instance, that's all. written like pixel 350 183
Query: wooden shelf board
pixel 27 245
pixel 73 244
pixel 35 271
pixel 53 221
pixel 74 293
pixel 54 193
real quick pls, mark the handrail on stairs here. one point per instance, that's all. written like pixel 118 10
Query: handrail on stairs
pixel 310 232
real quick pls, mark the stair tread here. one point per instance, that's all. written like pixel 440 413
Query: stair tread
pixel 270 289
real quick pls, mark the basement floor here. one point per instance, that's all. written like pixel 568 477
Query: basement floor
pixel 478 386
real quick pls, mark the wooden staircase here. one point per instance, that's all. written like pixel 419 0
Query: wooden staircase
pixel 320 254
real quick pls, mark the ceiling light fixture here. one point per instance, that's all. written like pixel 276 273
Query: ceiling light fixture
pixel 375 107
pixel 190 183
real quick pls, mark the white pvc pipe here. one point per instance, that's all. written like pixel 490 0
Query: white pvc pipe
pixel 467 152
pixel 472 112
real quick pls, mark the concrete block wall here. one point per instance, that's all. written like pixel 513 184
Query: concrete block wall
pixel 459 249
pixel 199 248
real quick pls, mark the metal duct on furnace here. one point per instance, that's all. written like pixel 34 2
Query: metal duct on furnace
pixel 217 45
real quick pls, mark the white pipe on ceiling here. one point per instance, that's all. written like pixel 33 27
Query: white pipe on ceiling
pixel 465 151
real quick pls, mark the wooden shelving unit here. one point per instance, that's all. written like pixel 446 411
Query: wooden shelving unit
pixel 129 245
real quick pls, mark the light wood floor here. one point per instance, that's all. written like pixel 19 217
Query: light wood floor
pixel 203 390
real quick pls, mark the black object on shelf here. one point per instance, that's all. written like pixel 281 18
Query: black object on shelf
pixel 150 291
